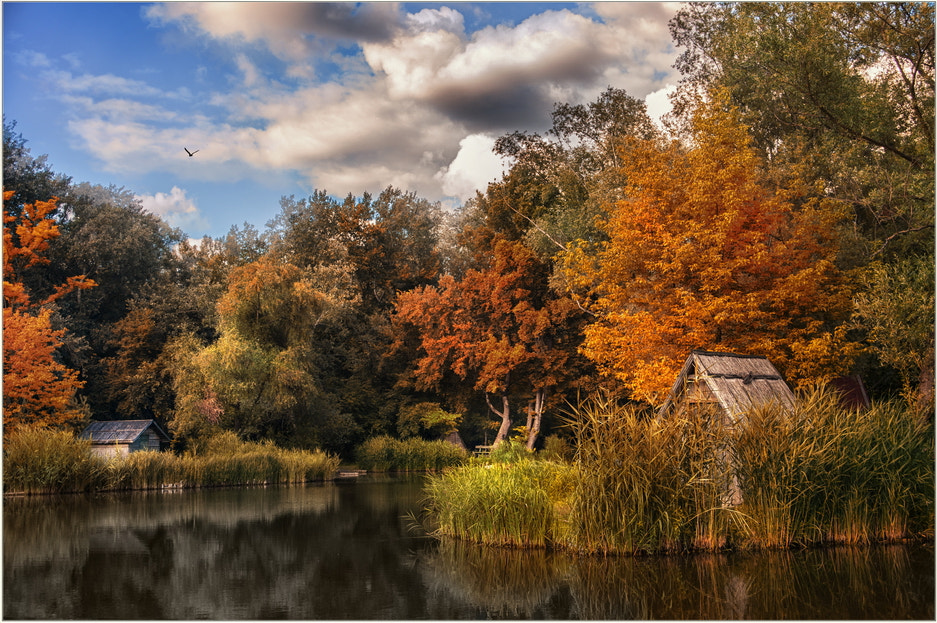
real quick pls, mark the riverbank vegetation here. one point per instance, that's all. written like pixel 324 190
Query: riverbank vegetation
pixel 37 460
pixel 386 454
pixel 777 479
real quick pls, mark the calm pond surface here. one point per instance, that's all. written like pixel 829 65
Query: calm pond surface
pixel 348 551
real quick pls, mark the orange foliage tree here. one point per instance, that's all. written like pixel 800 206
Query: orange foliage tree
pixel 36 388
pixel 498 328
pixel 702 254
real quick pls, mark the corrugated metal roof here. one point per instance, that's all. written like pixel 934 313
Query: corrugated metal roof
pixel 739 382
pixel 120 431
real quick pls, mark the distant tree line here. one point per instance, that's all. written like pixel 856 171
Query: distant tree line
pixel 787 212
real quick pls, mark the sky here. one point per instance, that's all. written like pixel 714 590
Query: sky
pixel 287 98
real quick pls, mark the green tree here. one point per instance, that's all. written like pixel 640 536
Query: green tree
pixel 897 310
pixel 840 94
pixel 267 375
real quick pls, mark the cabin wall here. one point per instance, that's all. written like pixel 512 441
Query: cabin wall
pixel 108 450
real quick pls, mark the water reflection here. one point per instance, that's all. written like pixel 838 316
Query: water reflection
pixel 348 552
pixel 887 582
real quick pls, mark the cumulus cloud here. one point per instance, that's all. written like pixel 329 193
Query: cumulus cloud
pixel 507 77
pixel 175 208
pixel 288 29
pixel 418 109
pixel 474 167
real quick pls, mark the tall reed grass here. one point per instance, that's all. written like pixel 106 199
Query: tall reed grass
pixel 384 454
pixel 644 484
pixel 773 478
pixel 825 474
pixel 43 461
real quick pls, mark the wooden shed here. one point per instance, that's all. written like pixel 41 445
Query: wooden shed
pixel 734 383
pixel 124 436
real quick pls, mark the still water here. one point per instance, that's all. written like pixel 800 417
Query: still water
pixel 348 551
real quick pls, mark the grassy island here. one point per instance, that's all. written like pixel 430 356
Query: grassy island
pixel 815 475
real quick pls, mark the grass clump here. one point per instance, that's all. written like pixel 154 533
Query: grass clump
pixel 384 454
pixel 520 504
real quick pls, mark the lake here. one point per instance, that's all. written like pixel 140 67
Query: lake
pixel 349 550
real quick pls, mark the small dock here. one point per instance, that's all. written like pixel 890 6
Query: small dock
pixel 350 473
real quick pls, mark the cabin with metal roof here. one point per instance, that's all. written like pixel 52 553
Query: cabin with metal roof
pixel 733 383
pixel 124 436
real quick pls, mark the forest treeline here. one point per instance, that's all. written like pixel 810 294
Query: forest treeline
pixel 787 210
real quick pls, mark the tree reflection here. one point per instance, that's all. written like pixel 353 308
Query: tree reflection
pixel 347 552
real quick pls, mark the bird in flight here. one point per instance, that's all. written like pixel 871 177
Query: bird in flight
pixel 191 153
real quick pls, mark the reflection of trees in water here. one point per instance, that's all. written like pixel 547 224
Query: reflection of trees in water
pixel 341 552
pixel 227 554
pixel 499 581
pixel 824 583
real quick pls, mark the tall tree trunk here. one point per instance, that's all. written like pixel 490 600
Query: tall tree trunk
pixel 535 416
pixel 504 414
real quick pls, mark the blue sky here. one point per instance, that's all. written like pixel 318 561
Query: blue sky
pixel 285 98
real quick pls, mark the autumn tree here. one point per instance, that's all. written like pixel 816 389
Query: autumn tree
pixel 702 254
pixel 558 182
pixel 37 388
pixel 499 329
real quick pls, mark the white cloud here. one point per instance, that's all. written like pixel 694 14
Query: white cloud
pixel 473 168
pixel 175 208
pixel 659 104
pixel 416 108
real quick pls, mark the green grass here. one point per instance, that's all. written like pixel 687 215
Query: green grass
pixel 384 454
pixel 520 504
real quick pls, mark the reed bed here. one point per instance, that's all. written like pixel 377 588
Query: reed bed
pixel 41 460
pixel 385 454
pixel 647 485
pixel 519 504
pixel 773 478
pixel 44 461
pixel 822 474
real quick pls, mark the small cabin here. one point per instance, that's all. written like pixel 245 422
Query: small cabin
pixel 125 436
pixel 732 383
pixel 727 383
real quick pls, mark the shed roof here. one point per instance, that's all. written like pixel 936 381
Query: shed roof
pixel 120 431
pixel 739 382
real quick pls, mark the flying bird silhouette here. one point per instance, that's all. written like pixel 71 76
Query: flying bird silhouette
pixel 191 153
